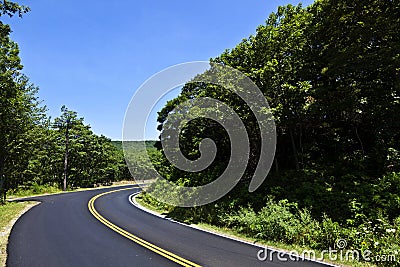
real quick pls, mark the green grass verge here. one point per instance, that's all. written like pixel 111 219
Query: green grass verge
pixel 159 210
pixel 228 232
pixel 9 213
pixel 37 190
pixel 25 191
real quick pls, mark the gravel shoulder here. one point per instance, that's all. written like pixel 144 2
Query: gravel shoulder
pixel 9 214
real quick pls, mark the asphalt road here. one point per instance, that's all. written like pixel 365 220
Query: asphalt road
pixel 61 231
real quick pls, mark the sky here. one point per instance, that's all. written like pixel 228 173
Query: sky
pixel 93 55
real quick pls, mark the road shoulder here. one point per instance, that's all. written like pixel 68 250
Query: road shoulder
pixel 213 230
pixel 14 213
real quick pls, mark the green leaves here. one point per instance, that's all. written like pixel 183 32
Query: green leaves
pixel 11 8
pixel 330 73
pixel 32 148
pixel 91 159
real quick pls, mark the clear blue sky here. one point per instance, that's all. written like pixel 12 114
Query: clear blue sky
pixel 92 55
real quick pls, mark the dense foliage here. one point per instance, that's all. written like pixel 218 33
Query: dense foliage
pixel 33 148
pixel 138 162
pixel 331 74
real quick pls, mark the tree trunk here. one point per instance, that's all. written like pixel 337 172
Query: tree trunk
pixel 276 164
pixel 66 159
pixel 301 147
pixel 296 159
pixel 359 140
pixel 2 179
pixel 1 187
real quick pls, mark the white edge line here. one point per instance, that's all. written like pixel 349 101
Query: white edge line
pixel 132 200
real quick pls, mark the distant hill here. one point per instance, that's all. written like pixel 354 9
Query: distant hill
pixel 138 160
pixel 133 144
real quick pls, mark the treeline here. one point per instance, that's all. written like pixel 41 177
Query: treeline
pixel 331 74
pixel 38 150
pixel 138 162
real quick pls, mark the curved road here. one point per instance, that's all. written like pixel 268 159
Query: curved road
pixel 61 231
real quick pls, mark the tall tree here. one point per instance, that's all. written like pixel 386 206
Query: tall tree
pixel 64 124
pixel 15 92
pixel 330 73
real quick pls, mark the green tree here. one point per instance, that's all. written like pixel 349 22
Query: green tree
pixel 88 159
pixel 35 150
pixel 63 124
pixel 17 101
pixel 330 73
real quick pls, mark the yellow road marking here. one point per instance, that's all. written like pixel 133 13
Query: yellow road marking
pixel 169 255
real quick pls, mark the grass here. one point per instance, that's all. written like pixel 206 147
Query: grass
pixel 228 232
pixel 37 190
pixel 159 210
pixel 25 191
pixel 9 213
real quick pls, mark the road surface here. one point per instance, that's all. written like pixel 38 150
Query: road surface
pixel 65 231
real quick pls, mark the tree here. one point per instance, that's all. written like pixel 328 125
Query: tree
pixel 330 73
pixel 17 101
pixel 11 8
pixel 34 150
pixel 88 159
pixel 64 123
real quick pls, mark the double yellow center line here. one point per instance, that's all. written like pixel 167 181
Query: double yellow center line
pixel 169 255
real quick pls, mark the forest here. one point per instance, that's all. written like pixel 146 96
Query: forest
pixel 36 150
pixel 331 75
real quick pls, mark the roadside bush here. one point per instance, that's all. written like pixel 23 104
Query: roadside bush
pixel 34 189
pixel 274 222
